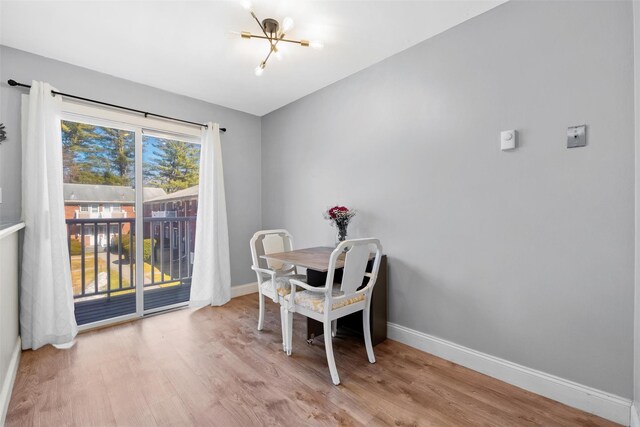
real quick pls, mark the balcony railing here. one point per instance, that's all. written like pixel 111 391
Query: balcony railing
pixel 102 256
pixel 91 247
pixel 172 240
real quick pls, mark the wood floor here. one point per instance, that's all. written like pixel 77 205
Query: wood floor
pixel 212 367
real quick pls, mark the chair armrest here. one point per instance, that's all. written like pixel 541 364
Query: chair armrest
pixel 306 286
pixel 370 283
pixel 365 289
pixel 271 273
pixel 292 296
pixel 348 296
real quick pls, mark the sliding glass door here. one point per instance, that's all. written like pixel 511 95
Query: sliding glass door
pixel 170 170
pixel 99 198
pixel 131 246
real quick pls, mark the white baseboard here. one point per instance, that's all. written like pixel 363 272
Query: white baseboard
pixel 240 290
pixel 635 417
pixel 579 396
pixel 9 379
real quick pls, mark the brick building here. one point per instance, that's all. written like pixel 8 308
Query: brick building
pixel 95 202
pixel 182 203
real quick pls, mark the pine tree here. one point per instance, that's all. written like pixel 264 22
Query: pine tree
pixel 97 155
pixel 119 148
pixel 105 156
pixel 76 150
pixel 176 165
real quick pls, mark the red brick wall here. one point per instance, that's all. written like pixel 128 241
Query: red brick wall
pixel 70 213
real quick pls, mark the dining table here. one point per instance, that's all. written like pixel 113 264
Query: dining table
pixel 316 262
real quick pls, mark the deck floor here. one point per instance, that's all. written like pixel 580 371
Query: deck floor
pixel 212 367
pixel 105 308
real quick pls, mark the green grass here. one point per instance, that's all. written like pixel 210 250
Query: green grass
pixel 89 272
pixel 114 284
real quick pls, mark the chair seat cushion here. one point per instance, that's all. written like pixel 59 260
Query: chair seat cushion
pixel 314 301
pixel 283 286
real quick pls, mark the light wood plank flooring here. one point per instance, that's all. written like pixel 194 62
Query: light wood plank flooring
pixel 212 367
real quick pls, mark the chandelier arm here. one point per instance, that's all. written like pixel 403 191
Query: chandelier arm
pixel 261 27
pixel 281 39
pixel 264 62
pixel 278 39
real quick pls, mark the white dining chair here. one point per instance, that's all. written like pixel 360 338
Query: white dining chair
pixel 273 276
pixel 335 300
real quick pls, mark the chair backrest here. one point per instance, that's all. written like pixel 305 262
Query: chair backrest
pixel 355 264
pixel 270 242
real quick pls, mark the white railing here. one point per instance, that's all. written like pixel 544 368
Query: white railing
pixel 164 214
pixel 99 215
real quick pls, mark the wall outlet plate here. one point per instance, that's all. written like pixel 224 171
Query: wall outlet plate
pixel 577 136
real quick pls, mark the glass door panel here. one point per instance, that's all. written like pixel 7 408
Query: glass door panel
pixel 170 174
pixel 99 199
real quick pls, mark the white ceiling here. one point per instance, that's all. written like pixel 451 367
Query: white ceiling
pixel 187 47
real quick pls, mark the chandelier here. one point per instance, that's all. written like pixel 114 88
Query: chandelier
pixel 274 33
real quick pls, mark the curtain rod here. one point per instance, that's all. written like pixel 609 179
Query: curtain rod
pixel 12 82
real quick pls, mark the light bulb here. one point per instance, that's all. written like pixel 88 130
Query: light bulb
pixel 246 5
pixel 259 70
pixel 316 45
pixel 278 55
pixel 287 24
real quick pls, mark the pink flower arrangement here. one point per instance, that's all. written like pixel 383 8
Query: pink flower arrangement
pixel 340 216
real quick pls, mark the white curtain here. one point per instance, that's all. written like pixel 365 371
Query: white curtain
pixel 46 298
pixel 211 279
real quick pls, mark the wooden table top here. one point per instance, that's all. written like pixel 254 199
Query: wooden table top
pixel 313 258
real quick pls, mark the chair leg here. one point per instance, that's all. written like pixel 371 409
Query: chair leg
pixel 289 322
pixel 366 328
pixel 261 313
pixel 329 348
pixel 283 326
pixel 334 328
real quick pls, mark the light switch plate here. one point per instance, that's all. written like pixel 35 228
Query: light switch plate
pixel 507 140
pixel 577 136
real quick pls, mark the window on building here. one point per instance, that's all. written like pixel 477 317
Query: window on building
pixel 112 207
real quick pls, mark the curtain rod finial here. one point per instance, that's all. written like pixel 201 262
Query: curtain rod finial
pixel 12 82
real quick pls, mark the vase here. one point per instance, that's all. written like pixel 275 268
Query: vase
pixel 342 233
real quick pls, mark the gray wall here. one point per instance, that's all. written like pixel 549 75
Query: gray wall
pixel 240 145
pixel 636 351
pixel 526 255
